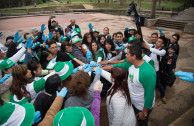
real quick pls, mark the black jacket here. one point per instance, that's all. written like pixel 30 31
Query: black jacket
pixel 70 27
pixel 64 57
pixel 58 28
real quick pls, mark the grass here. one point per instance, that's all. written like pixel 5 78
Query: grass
pixel 13 11
pixel 146 4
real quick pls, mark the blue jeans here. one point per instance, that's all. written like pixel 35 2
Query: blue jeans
pixel 159 85
pixel 142 122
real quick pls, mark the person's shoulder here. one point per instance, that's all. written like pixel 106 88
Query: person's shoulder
pixel 146 67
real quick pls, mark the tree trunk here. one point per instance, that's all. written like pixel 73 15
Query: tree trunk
pixel 159 2
pixel 152 16
pixel 106 2
pixel 121 2
pixel 98 1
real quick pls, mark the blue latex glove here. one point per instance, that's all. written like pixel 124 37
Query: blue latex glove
pixel 45 46
pixel 88 69
pixel 187 76
pixel 29 42
pixel 50 35
pixel 72 30
pixel 63 92
pixel 161 32
pixel 99 65
pixel 122 44
pixel 93 64
pixel 36 45
pixel 17 37
pixel 90 26
pixel 43 27
pixel 98 70
pixel 36 38
pixel 62 38
pixel 119 48
pixel 37 117
pixel 86 65
pixel 89 54
pixel 69 34
pixel 75 70
pixel 20 40
pixel 101 49
pixel 44 38
pixel 126 29
pixel 5 78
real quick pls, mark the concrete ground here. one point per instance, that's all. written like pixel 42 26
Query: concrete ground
pixel 179 96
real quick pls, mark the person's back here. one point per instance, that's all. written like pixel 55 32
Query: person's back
pixel 118 103
pixel 44 100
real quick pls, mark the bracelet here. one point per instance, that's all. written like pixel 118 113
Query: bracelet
pixel 145 114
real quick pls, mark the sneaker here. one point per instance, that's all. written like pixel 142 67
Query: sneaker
pixel 164 100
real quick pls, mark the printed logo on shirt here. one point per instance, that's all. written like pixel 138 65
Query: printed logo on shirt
pixel 131 79
pixel 169 61
pixel 8 61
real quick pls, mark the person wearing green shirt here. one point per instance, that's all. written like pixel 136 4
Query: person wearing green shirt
pixel 142 83
pixel 97 55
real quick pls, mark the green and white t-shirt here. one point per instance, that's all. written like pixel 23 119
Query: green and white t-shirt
pixel 126 65
pixel 33 88
pixel 98 56
pixel 142 83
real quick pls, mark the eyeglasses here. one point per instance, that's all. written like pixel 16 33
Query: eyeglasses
pixel 174 38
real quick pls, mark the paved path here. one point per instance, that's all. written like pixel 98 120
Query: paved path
pixel 115 23
pixel 88 6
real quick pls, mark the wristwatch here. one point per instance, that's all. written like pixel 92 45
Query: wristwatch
pixel 145 113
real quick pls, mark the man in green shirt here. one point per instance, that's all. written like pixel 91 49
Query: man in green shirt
pixel 142 83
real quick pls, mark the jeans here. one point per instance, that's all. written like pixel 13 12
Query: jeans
pixel 142 122
pixel 159 84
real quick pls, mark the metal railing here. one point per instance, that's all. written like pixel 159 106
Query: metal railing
pixel 186 5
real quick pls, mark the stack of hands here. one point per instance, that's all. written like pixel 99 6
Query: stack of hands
pixel 91 67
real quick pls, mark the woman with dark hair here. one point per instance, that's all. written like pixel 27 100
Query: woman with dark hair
pixel 106 33
pixel 23 88
pixel 174 42
pixel 108 50
pixel 119 108
pixel 87 39
pixel 45 58
pixel 35 68
pixel 97 55
pixel 44 100
pixel 101 40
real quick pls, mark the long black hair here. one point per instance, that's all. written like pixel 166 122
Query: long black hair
pixel 43 58
pixel 110 42
pixel 33 65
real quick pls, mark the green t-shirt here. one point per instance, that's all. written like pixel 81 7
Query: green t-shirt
pixel 142 83
pixel 97 55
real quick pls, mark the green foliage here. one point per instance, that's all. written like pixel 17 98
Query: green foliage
pixel 19 3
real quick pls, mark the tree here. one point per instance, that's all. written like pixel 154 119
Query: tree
pixel 106 2
pixel 159 3
pixel 122 2
pixel 152 16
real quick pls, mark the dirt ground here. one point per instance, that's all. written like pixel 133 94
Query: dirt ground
pixel 115 23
